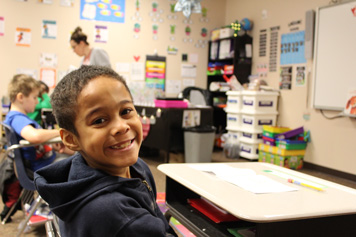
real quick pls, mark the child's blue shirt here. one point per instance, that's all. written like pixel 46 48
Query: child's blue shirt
pixel 38 156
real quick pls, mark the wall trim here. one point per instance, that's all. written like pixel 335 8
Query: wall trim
pixel 329 171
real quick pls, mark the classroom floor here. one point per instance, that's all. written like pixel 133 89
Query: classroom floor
pixel 10 229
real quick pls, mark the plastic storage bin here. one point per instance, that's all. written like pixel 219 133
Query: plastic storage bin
pixel 249 151
pixel 199 144
pixel 256 121
pixel 259 101
pixel 251 137
pixel 233 120
pixel 234 101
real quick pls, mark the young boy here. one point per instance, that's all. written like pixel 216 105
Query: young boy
pixel 104 189
pixel 43 103
pixel 23 92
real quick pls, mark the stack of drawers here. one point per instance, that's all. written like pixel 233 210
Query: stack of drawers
pixel 247 112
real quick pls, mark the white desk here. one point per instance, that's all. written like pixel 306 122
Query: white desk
pixel 275 214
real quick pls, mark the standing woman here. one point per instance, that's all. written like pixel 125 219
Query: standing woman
pixel 92 56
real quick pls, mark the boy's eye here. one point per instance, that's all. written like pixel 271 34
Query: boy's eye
pixel 126 111
pixel 98 121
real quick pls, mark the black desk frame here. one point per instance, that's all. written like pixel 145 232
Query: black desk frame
pixel 167 133
pixel 198 224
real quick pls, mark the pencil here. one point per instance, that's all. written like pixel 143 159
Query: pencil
pixel 304 184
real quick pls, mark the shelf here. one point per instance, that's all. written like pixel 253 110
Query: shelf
pixel 220 60
pixel 218 92
pixel 217 40
pixel 242 69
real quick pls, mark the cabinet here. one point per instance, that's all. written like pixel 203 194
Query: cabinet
pixel 227 57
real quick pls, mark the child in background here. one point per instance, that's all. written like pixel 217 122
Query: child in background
pixel 43 103
pixel 23 92
pixel 104 189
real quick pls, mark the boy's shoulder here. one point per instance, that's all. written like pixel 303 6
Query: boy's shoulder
pixel 18 120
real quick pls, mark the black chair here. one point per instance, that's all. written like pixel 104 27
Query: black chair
pixel 48 119
pixel 28 195
pixel 205 96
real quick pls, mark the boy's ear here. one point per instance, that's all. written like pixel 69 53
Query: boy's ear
pixel 19 96
pixel 69 139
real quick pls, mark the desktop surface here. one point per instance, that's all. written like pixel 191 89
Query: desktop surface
pixel 305 203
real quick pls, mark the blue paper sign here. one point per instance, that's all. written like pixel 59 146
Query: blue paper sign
pixel 292 48
pixel 103 10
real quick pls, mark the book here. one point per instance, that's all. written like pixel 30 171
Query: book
pixel 211 211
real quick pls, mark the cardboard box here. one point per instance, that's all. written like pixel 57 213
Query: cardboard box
pixel 226 33
pixel 291 162
pixel 215 34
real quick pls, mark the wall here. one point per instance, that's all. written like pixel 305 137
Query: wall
pixel 332 141
pixel 121 46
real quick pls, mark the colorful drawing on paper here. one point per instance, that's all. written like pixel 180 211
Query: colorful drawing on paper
pixel 105 10
pixel 23 37
pixel 292 48
pixel 49 29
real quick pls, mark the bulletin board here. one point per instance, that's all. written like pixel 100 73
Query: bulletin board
pixel 335 55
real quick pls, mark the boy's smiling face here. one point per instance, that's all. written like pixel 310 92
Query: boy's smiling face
pixel 110 131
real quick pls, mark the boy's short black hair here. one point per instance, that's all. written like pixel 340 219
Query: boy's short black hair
pixel 65 95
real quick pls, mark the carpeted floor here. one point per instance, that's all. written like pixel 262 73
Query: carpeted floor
pixel 10 229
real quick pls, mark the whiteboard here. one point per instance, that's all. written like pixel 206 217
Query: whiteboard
pixel 335 55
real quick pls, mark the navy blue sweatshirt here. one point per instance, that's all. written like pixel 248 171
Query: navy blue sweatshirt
pixel 90 202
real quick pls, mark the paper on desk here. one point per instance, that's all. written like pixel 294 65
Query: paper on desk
pixel 245 178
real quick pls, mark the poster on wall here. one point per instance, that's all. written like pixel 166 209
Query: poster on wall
pixel 49 29
pixel 292 48
pixel 48 76
pixel 138 71
pixel 23 37
pixel 31 72
pixel 101 34
pixel 350 104
pixel 2 26
pixel 173 86
pixel 285 82
pixel 48 60
pixel 263 43
pixel 108 10
pixel 156 74
pixel 273 47
pixel 300 76
pixel 45 1
pixel 67 3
